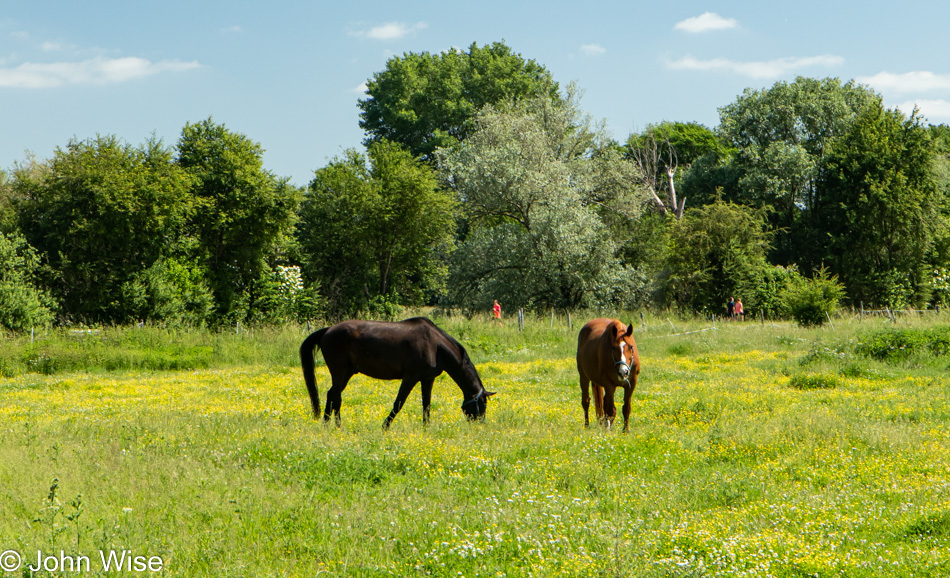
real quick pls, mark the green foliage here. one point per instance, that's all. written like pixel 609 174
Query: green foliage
pixel 535 183
pixel 282 296
pixel 678 146
pixel 880 208
pixel 22 304
pixel 718 251
pixel 149 348
pixel 940 134
pixel 768 293
pixel 170 291
pixel 814 381
pixel 791 121
pixel 8 218
pixel 812 301
pixel 243 213
pixel 690 140
pixel 424 101
pixel 376 226
pixel 940 287
pixel 935 526
pixel 100 214
pixel 901 344
pixel 781 136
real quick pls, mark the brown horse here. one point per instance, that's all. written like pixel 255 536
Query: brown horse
pixel 414 350
pixel 607 357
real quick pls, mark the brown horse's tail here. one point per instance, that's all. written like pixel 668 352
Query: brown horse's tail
pixel 307 362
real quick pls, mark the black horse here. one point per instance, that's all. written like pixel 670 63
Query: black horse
pixel 414 350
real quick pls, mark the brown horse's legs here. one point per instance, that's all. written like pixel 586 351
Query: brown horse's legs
pixel 599 402
pixel 627 394
pixel 426 398
pixel 610 410
pixel 404 390
pixel 585 399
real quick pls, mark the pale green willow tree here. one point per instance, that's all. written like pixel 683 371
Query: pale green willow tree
pixel 535 182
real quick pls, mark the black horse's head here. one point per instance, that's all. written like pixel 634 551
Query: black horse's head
pixel 475 407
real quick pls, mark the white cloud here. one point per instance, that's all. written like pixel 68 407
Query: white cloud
pixel 54 47
pixel 391 30
pixel 756 69
pixel 361 89
pixel 236 29
pixel 705 22
pixel 908 82
pixel 592 49
pixel 94 71
pixel 933 110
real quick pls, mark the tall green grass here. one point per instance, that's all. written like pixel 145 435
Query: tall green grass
pixel 754 450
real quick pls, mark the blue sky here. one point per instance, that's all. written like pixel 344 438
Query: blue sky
pixel 288 75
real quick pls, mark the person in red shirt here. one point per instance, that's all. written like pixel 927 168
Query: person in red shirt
pixel 496 310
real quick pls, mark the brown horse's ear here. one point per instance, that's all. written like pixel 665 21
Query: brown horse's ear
pixel 629 330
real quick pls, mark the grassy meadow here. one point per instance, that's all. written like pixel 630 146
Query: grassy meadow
pixel 754 450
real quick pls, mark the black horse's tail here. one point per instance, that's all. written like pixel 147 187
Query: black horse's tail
pixel 306 361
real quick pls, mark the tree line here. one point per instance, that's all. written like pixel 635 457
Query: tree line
pixel 482 178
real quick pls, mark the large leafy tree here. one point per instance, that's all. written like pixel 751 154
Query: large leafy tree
pixel 243 212
pixel 536 182
pixel 99 214
pixel 375 230
pixel 781 136
pixel 880 208
pixel 717 251
pixel 425 100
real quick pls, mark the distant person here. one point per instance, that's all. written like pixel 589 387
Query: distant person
pixel 731 308
pixel 496 311
pixel 740 312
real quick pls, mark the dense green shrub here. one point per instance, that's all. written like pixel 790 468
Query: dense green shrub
pixel 22 305
pixel 717 251
pixel 812 301
pixel 817 381
pixel 901 344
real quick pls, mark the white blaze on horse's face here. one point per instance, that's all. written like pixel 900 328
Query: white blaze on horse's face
pixel 623 369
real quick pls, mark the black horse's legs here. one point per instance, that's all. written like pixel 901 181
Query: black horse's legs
pixel 426 398
pixel 404 390
pixel 335 398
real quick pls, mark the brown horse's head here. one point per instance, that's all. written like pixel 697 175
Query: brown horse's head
pixel 623 349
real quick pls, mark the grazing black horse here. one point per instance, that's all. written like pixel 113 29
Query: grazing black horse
pixel 414 350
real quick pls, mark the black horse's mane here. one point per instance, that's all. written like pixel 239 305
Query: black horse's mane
pixel 465 362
